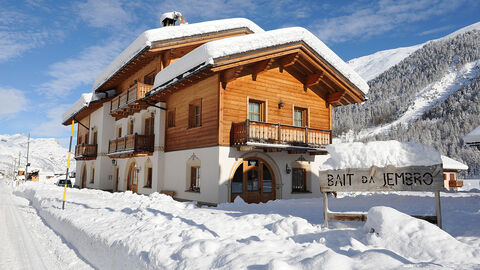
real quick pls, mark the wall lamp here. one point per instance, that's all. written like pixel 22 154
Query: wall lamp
pixel 114 162
pixel 281 104
pixel 287 169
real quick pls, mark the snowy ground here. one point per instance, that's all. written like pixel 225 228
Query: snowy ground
pixel 26 243
pixel 129 231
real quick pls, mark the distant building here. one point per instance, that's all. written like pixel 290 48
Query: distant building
pixel 473 138
pixel 451 168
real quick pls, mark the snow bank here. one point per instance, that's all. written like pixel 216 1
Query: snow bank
pixel 210 52
pixel 129 231
pixel 146 39
pixel 380 154
pixel 473 136
pixel 415 239
pixel 452 164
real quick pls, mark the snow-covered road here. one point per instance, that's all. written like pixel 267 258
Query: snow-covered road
pixel 26 242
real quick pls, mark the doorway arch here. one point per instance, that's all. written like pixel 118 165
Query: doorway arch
pixel 132 177
pixel 253 180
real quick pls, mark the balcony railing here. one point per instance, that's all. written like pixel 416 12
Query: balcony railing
pixel 128 97
pixel 455 183
pixel 270 133
pixel 131 143
pixel 85 151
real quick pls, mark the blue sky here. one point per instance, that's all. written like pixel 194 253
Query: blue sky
pixel 51 51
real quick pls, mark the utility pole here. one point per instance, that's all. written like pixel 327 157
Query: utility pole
pixel 28 148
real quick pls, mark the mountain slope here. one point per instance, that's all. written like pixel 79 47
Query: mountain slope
pixel 370 66
pixel 431 96
pixel 45 154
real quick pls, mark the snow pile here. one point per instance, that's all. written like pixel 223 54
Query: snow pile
pixel 452 164
pixel 147 38
pixel 47 155
pixel 473 136
pixel 130 231
pixel 415 239
pixel 380 154
pixel 81 103
pixel 210 52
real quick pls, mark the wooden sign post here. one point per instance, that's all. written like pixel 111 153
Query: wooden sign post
pixel 390 178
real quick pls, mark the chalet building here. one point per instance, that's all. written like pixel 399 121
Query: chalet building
pixel 451 168
pixel 212 111
pixel 473 138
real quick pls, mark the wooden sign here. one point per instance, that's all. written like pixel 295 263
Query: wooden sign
pixel 390 178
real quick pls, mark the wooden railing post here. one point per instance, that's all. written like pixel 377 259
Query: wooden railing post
pixel 306 135
pixel 247 130
pixel 279 133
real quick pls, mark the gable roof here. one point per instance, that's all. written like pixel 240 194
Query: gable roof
pixel 449 163
pixel 163 34
pixel 211 53
pixel 473 138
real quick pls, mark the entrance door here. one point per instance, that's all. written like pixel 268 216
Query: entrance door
pixel 132 180
pixel 84 177
pixel 116 179
pixel 253 181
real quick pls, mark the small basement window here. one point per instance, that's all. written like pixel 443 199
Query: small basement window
pixel 299 180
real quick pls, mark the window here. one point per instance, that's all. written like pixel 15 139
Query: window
pixel 130 127
pixel 256 110
pixel 195 178
pixel 119 132
pixel 299 180
pixel 300 117
pixel 149 78
pixel 149 126
pixel 171 118
pixel 94 139
pixel 92 177
pixel 85 140
pixel 452 176
pixel 195 114
pixel 148 180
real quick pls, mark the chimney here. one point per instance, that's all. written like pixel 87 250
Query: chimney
pixel 170 18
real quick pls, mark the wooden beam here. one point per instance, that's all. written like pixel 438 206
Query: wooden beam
pixel 166 58
pixel 335 97
pixel 261 67
pixel 313 79
pixel 229 75
pixel 288 60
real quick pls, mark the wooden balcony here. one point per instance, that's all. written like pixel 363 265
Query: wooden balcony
pixel 127 102
pixel 131 145
pixel 455 183
pixel 85 151
pixel 276 137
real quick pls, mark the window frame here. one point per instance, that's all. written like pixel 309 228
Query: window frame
pixel 261 113
pixel 194 116
pixel 304 112
pixel 171 118
pixel 149 75
pixel 304 180
pixel 194 179
pixel 148 177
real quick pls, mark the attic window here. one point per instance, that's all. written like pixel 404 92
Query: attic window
pixel 149 78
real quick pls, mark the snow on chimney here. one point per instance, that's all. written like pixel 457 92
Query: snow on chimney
pixel 170 18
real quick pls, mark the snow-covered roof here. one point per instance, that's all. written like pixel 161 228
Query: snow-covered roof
pixel 473 136
pixel 209 52
pixel 146 39
pixel 380 154
pixel 79 105
pixel 452 164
